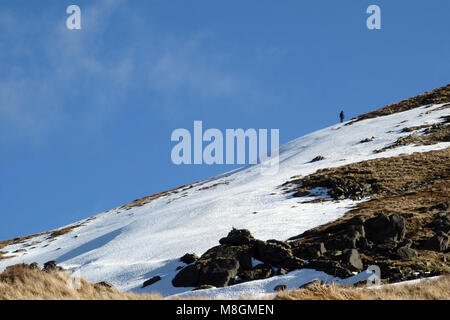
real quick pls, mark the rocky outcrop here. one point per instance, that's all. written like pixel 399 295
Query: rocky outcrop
pixel 231 262
pixel 189 258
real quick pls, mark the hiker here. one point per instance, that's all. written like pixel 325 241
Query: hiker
pixel 342 116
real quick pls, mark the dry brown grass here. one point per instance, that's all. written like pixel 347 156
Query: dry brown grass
pixel 436 289
pixel 410 185
pixel 20 282
pixel 436 96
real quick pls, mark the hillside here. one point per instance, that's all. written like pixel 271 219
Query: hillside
pixel 373 190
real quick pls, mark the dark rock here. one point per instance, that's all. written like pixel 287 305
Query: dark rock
pixel 330 267
pixel 103 284
pixel 441 222
pixel 293 263
pixel 364 244
pixel 179 268
pixel 272 253
pixel 318 158
pixel 316 250
pixel 220 272
pixel 383 227
pixel 387 246
pixel 310 285
pixel 34 266
pixel 299 194
pixel 189 258
pixel 280 243
pixel 243 254
pixel 439 242
pixel 357 220
pixel 51 266
pixel 352 259
pixel 280 287
pixel 261 271
pixel 187 277
pixel 406 253
pixel 151 281
pixel 237 237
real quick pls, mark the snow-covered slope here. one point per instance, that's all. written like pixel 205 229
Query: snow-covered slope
pixel 127 247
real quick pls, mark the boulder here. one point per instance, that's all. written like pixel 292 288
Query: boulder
pixel 151 281
pixel 51 266
pixel 316 250
pixel 439 242
pixel 352 259
pixel 293 263
pixel 261 271
pixel 272 253
pixel 220 272
pixel 103 284
pixel 333 268
pixel 318 158
pixel 237 237
pixel 406 253
pixel 381 228
pixel 189 258
pixel 187 277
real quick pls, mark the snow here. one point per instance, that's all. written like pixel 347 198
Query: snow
pixel 127 247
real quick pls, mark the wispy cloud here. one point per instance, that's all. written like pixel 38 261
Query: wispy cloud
pixel 56 76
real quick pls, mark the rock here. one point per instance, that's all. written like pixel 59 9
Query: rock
pixel 281 271
pixel 352 259
pixel 243 254
pixel 406 253
pixel 187 277
pixel 237 237
pixel 439 242
pixel 333 268
pixel 261 271
pixel 310 285
pixel 356 220
pixel 280 287
pixel 179 268
pixel 299 194
pixel 272 253
pixel 441 222
pixel 151 281
pixel 220 272
pixel 34 266
pixel 50 266
pixel 189 258
pixel 383 227
pixel 316 250
pixel 280 243
pixel 292 263
pixel 363 244
pixel 103 284
pixel 318 158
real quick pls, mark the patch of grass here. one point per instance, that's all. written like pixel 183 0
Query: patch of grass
pixel 436 96
pixel 22 282
pixel 433 289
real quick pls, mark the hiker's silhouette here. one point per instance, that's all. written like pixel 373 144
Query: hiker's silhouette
pixel 342 116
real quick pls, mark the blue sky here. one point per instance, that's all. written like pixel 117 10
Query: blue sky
pixel 86 115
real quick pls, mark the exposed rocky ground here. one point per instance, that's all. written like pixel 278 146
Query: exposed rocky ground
pixel 404 228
